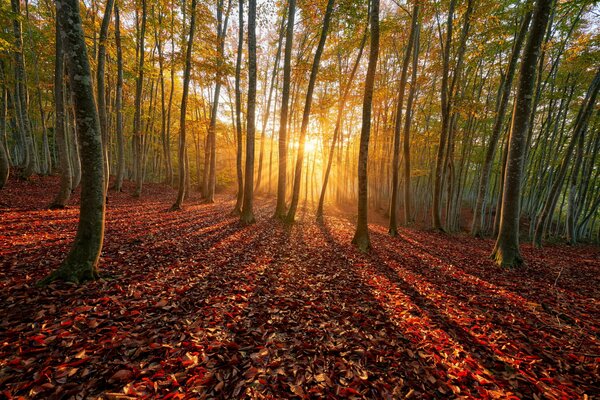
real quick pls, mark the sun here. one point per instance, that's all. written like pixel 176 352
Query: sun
pixel 311 145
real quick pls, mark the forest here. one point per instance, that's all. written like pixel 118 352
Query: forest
pixel 307 199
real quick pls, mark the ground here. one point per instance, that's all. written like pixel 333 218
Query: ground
pixel 193 304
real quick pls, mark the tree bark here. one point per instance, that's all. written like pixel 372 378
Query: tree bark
pixel 237 209
pixel 82 261
pixel 183 170
pixel 119 105
pixel 306 115
pixel 361 236
pixel 66 179
pixel 137 119
pixel 393 228
pixel 497 128
pixel 101 88
pixel 247 215
pixel 506 252
pixel 280 208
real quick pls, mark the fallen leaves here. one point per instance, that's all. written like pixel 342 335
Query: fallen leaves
pixel 196 305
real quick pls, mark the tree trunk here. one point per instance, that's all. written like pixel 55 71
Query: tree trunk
pixel 82 261
pixel 4 160
pixel 306 115
pixel 183 163
pixel 361 236
pixel 338 125
pixel 237 209
pixel 393 229
pixel 137 119
pixel 407 123
pixel 247 215
pixel 581 123
pixel 439 167
pixel 119 105
pixel 20 102
pixel 506 252
pixel 101 88
pixel 66 179
pixel 498 124
pixel 280 208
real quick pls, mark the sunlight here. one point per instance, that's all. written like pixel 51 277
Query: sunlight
pixel 311 145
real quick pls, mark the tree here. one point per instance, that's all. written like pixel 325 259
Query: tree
pixel 506 251
pixel 183 175
pixel 361 236
pixel 393 229
pixel 138 147
pixel 280 209
pixel 4 161
pixel 247 215
pixel 306 114
pixel 581 124
pixel 66 179
pixel 101 87
pixel 119 105
pixel 505 89
pixel 238 111
pixel 21 104
pixel 82 261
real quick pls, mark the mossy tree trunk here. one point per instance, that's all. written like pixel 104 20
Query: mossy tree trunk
pixel 506 252
pixel 82 261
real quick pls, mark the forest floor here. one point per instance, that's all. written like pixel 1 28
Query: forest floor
pixel 193 304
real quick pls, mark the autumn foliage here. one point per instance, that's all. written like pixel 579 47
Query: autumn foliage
pixel 195 304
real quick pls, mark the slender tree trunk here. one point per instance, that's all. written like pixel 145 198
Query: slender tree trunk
pixel 247 215
pixel 82 261
pixel 393 228
pixel 439 168
pixel 280 208
pixel 183 170
pixel 407 123
pixel 4 159
pixel 506 252
pixel 21 93
pixel 580 127
pixel 267 111
pixel 66 179
pixel 498 124
pixel 306 115
pixel 119 105
pixel 101 88
pixel 237 209
pixel 338 125
pixel 137 119
pixel 361 236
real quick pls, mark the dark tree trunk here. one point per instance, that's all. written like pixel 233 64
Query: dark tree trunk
pixel 66 179
pixel 20 102
pixel 407 123
pixel 361 236
pixel 393 228
pixel 338 124
pixel 238 111
pixel 183 170
pixel 101 89
pixel 306 115
pixel 119 105
pixel 138 149
pixel 506 251
pixel 506 87
pixel 280 208
pixel 82 261
pixel 247 215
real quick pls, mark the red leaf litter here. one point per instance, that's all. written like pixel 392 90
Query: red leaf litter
pixel 195 305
